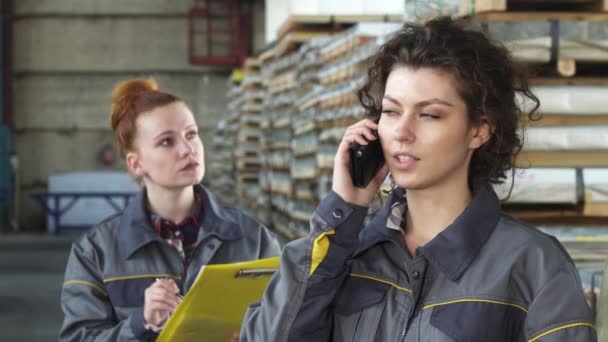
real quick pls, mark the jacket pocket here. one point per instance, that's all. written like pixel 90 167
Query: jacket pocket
pixel 473 321
pixel 358 310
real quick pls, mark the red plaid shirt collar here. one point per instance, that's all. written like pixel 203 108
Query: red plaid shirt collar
pixel 186 231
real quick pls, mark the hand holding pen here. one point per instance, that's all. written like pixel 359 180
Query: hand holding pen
pixel 161 299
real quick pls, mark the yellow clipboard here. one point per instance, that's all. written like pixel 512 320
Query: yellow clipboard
pixel 214 307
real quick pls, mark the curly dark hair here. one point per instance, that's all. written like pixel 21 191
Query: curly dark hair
pixel 488 79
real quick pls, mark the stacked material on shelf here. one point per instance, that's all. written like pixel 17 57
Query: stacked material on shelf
pixel 221 173
pixel 574 138
pixel 304 146
pixel 346 58
pixel 514 6
pixel 280 80
pixel 577 100
pixel 422 10
pixel 596 191
pixel 220 164
pixel 573 129
pixel 572 192
pixel 573 44
pixel 248 152
pixel 586 187
pixel 540 186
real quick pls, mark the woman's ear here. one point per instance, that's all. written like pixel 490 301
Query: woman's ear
pixel 133 164
pixel 481 133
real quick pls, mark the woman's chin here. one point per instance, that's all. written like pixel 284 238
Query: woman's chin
pixel 408 181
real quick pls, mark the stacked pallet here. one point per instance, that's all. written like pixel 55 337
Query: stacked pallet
pixel 220 165
pixel 248 152
pixel 280 77
pixel 222 168
pixel 305 136
pixel 346 58
pixel 568 55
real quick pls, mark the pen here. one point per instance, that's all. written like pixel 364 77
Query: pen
pixel 177 294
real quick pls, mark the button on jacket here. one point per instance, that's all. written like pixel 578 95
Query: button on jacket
pixel 111 265
pixel 486 277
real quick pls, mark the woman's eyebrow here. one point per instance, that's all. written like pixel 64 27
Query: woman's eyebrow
pixel 389 98
pixel 433 101
pixel 421 103
pixel 163 133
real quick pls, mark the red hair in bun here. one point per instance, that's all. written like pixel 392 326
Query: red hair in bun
pixel 129 99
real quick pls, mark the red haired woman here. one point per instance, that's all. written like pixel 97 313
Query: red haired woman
pixel 125 276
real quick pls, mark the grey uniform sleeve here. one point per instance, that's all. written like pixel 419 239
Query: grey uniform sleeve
pixel 559 311
pixel 88 313
pixel 297 303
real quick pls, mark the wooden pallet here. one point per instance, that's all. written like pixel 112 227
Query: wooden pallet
pixel 249 164
pixel 548 120
pixel 339 122
pixel 567 67
pixel 304 174
pixel 475 7
pixel 302 128
pixel 282 122
pixel 343 74
pixel 289 191
pixel 289 43
pixel 342 100
pixel 573 57
pixel 596 209
pixel 562 159
pixel 581 214
pixel 305 195
pixel 300 216
pixel 252 64
pixel 331 23
pixel 284 168
pixel 573 81
pixel 244 178
pixel 487 17
pixel 286 232
pixel 282 82
pixel 307 151
pixel 247 154
pixel 345 47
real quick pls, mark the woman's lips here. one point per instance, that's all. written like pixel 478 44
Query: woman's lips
pixel 404 162
pixel 189 166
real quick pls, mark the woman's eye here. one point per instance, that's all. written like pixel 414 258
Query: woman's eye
pixel 429 116
pixel 191 134
pixel 166 142
pixel 389 112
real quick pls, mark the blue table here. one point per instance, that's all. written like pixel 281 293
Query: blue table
pixel 55 212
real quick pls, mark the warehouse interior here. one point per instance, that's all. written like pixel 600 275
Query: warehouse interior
pixel 273 85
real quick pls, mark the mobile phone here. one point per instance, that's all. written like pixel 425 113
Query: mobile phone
pixel 365 162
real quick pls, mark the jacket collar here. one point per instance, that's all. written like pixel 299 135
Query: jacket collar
pixel 455 248
pixel 135 230
pixel 376 230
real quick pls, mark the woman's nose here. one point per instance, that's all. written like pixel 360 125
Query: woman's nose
pixel 186 148
pixel 404 129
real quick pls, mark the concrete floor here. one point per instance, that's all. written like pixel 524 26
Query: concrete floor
pixel 31 274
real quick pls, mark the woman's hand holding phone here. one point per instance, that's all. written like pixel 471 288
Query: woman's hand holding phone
pixel 362 132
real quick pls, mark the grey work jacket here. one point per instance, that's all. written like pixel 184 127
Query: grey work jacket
pixel 486 277
pixel 111 265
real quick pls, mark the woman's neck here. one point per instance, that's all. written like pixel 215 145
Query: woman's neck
pixel 430 211
pixel 171 204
